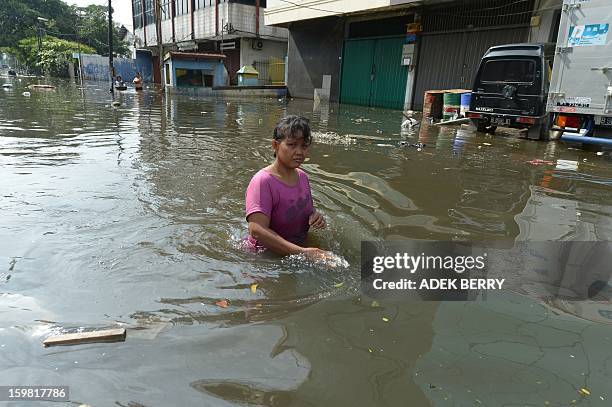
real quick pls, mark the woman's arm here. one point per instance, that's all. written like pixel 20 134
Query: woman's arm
pixel 259 229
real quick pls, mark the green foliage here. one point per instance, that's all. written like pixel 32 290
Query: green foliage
pixel 54 54
pixel 19 21
pixel 94 31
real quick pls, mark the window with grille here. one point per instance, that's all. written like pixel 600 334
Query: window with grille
pixel 148 12
pixel 137 13
pixel 181 7
pixel 166 12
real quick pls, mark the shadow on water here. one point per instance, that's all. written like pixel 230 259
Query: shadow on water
pixel 132 215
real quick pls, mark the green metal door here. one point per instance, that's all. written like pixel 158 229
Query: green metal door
pixel 356 72
pixel 372 74
pixel 389 84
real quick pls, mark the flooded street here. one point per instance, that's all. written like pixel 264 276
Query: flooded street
pixel 134 216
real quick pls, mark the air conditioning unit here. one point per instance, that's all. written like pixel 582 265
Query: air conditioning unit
pixel 257 44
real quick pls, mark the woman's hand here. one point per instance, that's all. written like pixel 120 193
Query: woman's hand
pixel 316 221
pixel 314 253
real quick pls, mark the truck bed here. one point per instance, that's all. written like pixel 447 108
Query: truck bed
pixel 582 72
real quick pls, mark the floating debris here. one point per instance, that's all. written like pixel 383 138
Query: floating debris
pixel 107 335
pixel 538 162
pixel 410 123
pixel 222 303
pixel 385 319
pixel 585 392
pixel 254 288
pixel 332 138
pixel 41 87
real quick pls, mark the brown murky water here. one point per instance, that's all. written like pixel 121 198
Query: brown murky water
pixel 133 216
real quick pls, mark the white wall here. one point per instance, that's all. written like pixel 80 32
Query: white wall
pixel 204 21
pixel 276 49
pixel 242 18
pixel 279 12
pixel 543 32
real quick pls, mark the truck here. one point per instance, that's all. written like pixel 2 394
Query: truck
pixel 580 90
pixel 561 90
pixel 511 88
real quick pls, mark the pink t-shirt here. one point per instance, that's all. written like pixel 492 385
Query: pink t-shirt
pixel 288 207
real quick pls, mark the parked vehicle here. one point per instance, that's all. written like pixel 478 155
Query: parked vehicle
pixel 511 88
pixel 580 98
pixel 554 91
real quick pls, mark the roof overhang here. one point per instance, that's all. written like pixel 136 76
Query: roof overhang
pixel 194 56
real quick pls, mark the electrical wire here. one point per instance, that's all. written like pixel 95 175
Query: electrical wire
pixel 499 15
pixel 252 33
pixel 500 7
pixel 310 7
pixel 448 14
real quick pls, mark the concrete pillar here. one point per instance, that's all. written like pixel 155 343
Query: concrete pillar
pixel 71 71
pixel 409 60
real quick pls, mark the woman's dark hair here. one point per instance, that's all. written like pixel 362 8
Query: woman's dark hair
pixel 290 126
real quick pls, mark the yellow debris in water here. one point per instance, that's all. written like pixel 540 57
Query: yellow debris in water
pixel 370 350
pixel 375 304
pixel 585 392
pixel 385 319
pixel 253 288
pixel 338 285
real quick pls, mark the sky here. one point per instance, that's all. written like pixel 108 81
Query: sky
pixel 123 9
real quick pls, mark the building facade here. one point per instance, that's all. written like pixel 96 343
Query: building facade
pixel 387 53
pixel 234 28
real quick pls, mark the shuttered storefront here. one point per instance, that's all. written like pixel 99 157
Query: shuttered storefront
pixel 455 38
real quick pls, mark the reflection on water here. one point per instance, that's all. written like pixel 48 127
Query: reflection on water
pixel 132 215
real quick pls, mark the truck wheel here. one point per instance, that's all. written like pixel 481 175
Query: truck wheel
pixel 481 127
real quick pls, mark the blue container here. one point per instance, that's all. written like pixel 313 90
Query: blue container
pixel 465 103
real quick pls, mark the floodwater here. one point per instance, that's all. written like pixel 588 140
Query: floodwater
pixel 133 216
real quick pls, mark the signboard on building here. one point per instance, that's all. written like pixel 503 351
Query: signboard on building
pixel 187 46
pixel 228 45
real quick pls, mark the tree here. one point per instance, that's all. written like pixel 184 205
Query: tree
pixel 54 54
pixel 94 31
pixel 19 20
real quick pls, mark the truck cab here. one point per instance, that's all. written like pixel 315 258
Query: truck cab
pixel 511 88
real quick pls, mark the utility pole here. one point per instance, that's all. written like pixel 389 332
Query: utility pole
pixel 160 45
pixel 39 33
pixel 110 47
pixel 79 26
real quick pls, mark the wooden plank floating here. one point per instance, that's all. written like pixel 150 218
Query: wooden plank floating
pixel 107 335
pixel 449 122
pixel 41 87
